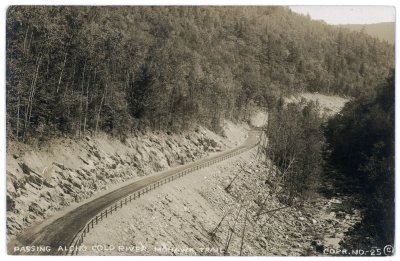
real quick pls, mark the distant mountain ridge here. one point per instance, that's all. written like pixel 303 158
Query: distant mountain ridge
pixel 383 31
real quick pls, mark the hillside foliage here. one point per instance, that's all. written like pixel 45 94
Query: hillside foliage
pixel 75 71
pixel 362 147
pixel 295 144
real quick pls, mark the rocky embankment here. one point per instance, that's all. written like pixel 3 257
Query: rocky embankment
pixel 41 181
pixel 231 208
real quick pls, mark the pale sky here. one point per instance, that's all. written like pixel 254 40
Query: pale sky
pixel 348 14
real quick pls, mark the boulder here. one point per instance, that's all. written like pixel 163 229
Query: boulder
pixel 35 208
pixel 75 181
pixel 10 202
pixel 48 184
pixel 35 179
pixel 59 165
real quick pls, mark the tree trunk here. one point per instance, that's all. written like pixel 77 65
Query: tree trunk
pixel 30 41
pixel 61 73
pixel 86 107
pixel 243 234
pixel 25 38
pixel 99 112
pixel 81 101
pixel 231 231
pixel 19 103
pixel 28 111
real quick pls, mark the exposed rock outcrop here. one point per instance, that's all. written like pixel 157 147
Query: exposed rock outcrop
pixel 43 180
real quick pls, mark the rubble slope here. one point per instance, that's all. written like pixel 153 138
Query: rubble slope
pixel 43 181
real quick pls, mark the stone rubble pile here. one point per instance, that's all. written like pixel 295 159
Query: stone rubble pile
pixel 278 229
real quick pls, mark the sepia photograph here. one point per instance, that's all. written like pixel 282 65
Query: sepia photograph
pixel 199 130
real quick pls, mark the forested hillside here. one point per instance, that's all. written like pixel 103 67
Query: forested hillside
pixel 75 71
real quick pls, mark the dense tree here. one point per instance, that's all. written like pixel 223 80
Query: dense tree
pixel 79 70
pixel 295 143
pixel 361 144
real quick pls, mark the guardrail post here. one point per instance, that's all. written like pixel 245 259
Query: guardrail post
pixel 92 223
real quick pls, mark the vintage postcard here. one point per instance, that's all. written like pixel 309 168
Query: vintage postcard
pixel 200 130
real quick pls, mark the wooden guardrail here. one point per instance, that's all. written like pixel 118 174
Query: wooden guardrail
pixel 80 235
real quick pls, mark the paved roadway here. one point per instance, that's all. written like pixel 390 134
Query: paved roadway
pixel 61 231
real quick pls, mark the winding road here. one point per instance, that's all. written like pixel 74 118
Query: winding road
pixel 61 231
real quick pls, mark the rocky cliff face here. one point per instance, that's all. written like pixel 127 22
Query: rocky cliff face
pixel 43 180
